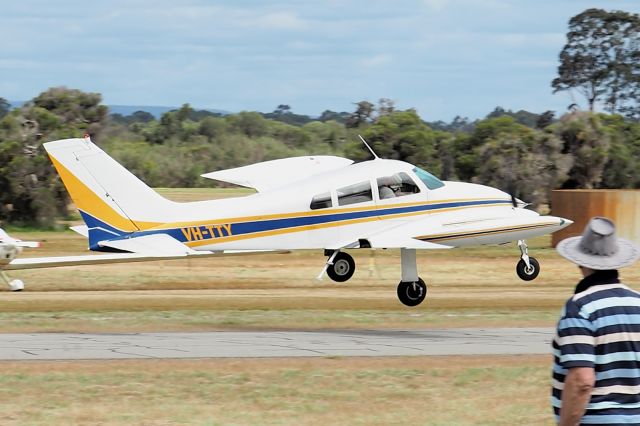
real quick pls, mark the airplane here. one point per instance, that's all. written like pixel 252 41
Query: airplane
pixel 309 202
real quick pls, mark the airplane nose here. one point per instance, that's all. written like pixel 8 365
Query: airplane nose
pixel 565 222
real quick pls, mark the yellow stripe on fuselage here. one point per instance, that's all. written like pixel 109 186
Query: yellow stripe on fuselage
pixel 481 233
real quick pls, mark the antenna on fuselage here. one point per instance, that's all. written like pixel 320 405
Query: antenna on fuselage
pixel 375 156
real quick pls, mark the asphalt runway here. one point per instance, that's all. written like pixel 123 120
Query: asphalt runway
pixel 263 344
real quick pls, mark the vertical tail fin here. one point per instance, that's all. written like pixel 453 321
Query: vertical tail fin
pixel 111 200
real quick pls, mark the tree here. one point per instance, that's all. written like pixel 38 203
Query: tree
pixel 362 115
pixel 30 191
pixel 523 117
pixel 340 117
pixel 587 141
pixel 251 124
pixel 621 170
pixel 386 107
pixel 74 108
pixel 284 114
pixel 282 109
pixel 465 146
pixel 601 59
pixel 403 136
pixel 545 119
pixel 141 117
pixel 522 161
pixel 5 107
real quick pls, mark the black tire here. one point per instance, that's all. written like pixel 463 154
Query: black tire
pixel 412 293
pixel 342 269
pixel 528 274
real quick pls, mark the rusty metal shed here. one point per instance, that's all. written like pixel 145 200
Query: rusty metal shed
pixel 620 205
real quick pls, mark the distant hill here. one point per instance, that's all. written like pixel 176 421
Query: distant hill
pixel 125 110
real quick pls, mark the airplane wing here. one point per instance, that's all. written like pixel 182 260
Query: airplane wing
pixel 275 173
pixel 399 235
pixel 405 233
pixel 429 233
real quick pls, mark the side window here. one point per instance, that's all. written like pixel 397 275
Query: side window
pixel 358 193
pixel 321 201
pixel 397 185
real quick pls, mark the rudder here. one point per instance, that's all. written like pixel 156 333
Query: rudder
pixel 111 200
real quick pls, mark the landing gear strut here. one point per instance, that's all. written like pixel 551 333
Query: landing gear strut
pixel 14 285
pixel 411 290
pixel 527 268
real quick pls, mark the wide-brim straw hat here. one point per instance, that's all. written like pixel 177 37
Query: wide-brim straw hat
pixel 599 248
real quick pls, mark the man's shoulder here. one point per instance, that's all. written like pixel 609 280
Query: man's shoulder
pixel 602 291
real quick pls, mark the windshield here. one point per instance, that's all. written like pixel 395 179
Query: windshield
pixel 429 180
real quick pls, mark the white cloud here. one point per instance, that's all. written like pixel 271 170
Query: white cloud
pixel 279 21
pixel 376 61
pixel 436 5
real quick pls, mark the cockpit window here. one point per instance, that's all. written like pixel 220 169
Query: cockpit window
pixel 321 201
pixel 428 179
pixel 352 194
pixel 396 185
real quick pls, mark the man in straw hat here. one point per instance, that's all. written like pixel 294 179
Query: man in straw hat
pixel 596 371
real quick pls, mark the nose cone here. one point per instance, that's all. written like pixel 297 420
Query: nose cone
pixel 563 223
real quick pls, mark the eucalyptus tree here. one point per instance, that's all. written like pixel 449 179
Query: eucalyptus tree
pixel 601 60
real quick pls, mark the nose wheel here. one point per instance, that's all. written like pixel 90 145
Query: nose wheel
pixel 527 268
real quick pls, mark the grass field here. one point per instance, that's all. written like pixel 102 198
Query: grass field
pixel 340 391
pixel 475 287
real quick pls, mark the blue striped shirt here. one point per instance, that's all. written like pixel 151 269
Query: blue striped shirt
pixel 600 328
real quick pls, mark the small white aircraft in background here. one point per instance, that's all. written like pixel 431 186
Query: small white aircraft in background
pixel 311 202
pixel 10 248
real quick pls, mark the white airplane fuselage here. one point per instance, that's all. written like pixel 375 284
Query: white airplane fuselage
pixel 456 214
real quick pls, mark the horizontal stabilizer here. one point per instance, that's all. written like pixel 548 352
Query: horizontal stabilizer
pixel 159 245
pixel 81 229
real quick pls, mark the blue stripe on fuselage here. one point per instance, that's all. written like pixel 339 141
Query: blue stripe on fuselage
pixel 243 228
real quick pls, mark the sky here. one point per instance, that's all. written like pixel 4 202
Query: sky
pixel 442 57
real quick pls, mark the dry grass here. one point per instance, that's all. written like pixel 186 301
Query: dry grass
pixel 467 287
pixel 384 391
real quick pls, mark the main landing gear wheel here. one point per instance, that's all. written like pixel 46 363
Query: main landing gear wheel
pixel 342 268
pixel 412 293
pixel 528 273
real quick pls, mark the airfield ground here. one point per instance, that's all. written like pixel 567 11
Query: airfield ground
pixel 474 287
